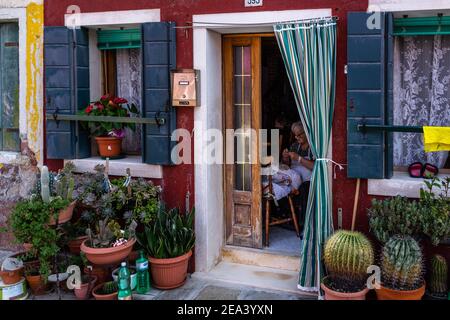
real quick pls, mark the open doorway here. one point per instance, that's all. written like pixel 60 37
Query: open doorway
pixel 279 111
pixel 262 212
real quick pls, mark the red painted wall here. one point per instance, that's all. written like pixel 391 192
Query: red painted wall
pixel 178 179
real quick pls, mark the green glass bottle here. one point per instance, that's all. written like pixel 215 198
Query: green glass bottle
pixel 143 278
pixel 124 283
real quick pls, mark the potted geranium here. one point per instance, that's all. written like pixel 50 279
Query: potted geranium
pixel 109 244
pixel 109 135
pixel 168 242
pixel 347 256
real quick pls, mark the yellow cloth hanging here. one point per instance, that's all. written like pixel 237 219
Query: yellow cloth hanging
pixel 436 139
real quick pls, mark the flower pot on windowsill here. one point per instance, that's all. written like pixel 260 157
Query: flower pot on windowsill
pixel 86 287
pixel 107 256
pixel 169 273
pixel 109 146
pixel 99 295
pixel 64 215
pixel 37 284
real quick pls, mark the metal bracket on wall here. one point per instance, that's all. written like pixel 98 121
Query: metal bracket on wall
pixel 70 117
pixel 364 128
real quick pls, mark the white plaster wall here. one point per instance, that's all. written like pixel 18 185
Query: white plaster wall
pixel 18 3
pixel 408 5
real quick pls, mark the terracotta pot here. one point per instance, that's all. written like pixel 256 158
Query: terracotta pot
pixel 64 215
pixel 102 274
pixel 107 256
pixel 37 285
pixel 98 296
pixel 109 146
pixel 11 277
pixel 169 273
pixel 335 295
pixel 75 244
pixel 82 293
pixel 390 294
pixel 134 255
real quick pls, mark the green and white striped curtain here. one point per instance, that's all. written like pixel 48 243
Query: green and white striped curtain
pixel 309 52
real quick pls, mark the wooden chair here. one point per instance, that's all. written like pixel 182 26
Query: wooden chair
pixel 269 197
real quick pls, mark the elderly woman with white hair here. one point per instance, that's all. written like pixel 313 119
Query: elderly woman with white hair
pixel 301 160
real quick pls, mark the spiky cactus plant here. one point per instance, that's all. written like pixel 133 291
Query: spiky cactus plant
pixel 402 264
pixel 347 256
pixel 438 277
pixel 45 185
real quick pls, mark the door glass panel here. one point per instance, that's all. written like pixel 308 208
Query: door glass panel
pixel 242 84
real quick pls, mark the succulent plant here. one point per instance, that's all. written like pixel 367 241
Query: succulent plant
pixel 347 256
pixel 438 276
pixel 104 236
pixel 402 264
pixel 108 287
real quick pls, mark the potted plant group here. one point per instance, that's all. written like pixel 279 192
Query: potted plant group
pixel 109 135
pixel 168 242
pixel 437 284
pixel 347 256
pixel 401 270
pixel 109 244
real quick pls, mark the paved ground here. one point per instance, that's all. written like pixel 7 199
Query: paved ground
pixel 193 289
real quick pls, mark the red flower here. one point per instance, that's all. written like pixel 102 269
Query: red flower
pixel 99 106
pixel 89 109
pixel 119 100
pixel 106 97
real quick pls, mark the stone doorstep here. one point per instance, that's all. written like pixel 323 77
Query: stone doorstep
pixel 255 276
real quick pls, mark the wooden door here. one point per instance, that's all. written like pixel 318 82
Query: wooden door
pixel 242 112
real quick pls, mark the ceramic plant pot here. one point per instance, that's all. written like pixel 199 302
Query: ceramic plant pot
pixel 75 244
pixel 335 295
pixel 99 296
pixel 37 285
pixel 101 273
pixel 64 215
pixel 84 292
pixel 109 146
pixel 11 277
pixel 107 256
pixel 169 273
pixel 390 294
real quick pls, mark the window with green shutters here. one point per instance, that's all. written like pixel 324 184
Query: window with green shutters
pixel 9 87
pixel 64 58
pixel 398 77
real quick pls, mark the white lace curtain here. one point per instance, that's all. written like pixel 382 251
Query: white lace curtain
pixel 129 87
pixel 421 94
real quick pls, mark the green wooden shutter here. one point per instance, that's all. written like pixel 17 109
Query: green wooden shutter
pixel 159 58
pixel 66 61
pixel 369 91
pixel 9 87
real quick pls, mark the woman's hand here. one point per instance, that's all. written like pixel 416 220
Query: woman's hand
pixel 294 156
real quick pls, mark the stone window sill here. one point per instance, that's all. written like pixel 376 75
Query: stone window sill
pixel 119 167
pixel 400 184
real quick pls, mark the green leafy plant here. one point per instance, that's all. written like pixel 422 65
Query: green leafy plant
pixel 109 106
pixel 394 216
pixel 347 256
pixel 29 223
pixel 438 276
pixel 435 218
pixel 170 235
pixel 402 264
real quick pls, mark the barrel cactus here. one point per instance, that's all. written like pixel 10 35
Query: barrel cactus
pixel 402 264
pixel 438 277
pixel 347 256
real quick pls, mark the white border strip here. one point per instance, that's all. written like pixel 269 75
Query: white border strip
pixel 111 18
